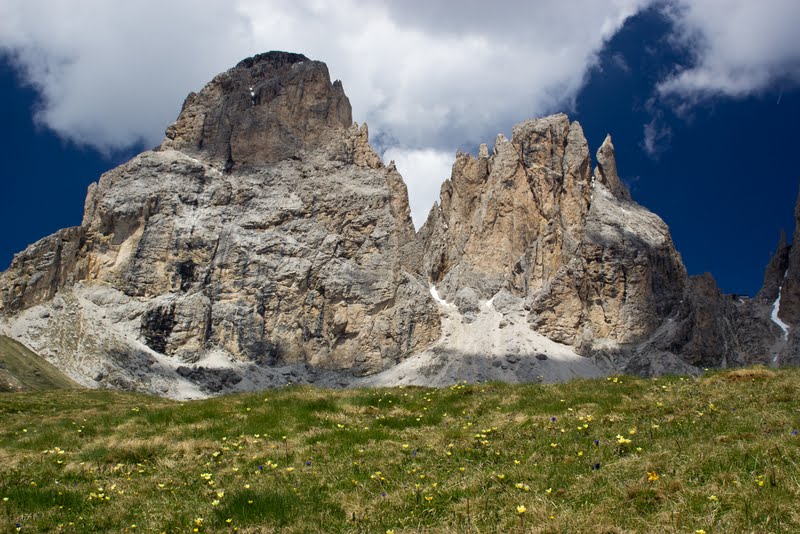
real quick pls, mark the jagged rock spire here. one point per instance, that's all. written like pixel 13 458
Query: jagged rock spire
pixel 606 170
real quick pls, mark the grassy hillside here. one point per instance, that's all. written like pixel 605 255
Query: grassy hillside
pixel 23 370
pixel 715 454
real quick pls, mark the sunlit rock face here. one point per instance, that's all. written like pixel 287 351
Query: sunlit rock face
pixel 595 270
pixel 264 242
pixel 534 220
pixel 264 227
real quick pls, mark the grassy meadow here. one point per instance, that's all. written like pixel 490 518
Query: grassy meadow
pixel 719 453
pixel 24 370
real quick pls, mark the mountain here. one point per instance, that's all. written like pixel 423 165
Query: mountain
pixel 265 242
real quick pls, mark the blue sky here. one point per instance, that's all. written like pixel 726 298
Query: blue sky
pixel 702 109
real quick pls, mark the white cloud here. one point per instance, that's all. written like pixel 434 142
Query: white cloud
pixel 427 76
pixel 111 74
pixel 656 138
pixel 431 76
pixel 442 74
pixel 423 170
pixel 740 47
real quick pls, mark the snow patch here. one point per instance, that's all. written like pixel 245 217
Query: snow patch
pixel 440 300
pixel 776 307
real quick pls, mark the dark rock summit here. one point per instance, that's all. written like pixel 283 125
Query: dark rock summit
pixel 268 108
pixel 264 241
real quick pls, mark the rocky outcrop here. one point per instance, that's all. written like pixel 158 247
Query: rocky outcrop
pixel 264 226
pixel 265 242
pixel 595 270
pixel 268 108
pixel 510 220
pixel 532 220
pixel 37 273
pixel 781 293
pixel 606 171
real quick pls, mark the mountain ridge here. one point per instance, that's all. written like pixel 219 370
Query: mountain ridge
pixel 264 241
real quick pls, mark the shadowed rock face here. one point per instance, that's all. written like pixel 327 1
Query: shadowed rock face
pixel 268 108
pixel 265 241
pixel 790 292
pixel 775 273
pixel 781 292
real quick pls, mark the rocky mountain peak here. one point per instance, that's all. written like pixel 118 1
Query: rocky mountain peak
pixel 268 108
pixel 264 242
pixel 775 272
pixel 275 58
pixel 606 170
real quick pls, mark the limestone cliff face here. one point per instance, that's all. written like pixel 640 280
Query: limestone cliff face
pixel 532 219
pixel 264 226
pixel 264 241
pixel 775 272
pixel 267 109
pixel 595 270
pixel 509 220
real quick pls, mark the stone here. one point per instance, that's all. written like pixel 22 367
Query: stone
pixel 266 109
pixel 606 171
pixel 466 300
pixel 264 242
pixel 264 227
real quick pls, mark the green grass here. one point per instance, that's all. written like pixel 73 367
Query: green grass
pixel 24 370
pixel 719 454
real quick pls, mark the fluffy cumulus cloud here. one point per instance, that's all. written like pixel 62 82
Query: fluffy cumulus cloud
pixel 423 73
pixel 740 47
pixel 111 74
pixel 428 77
